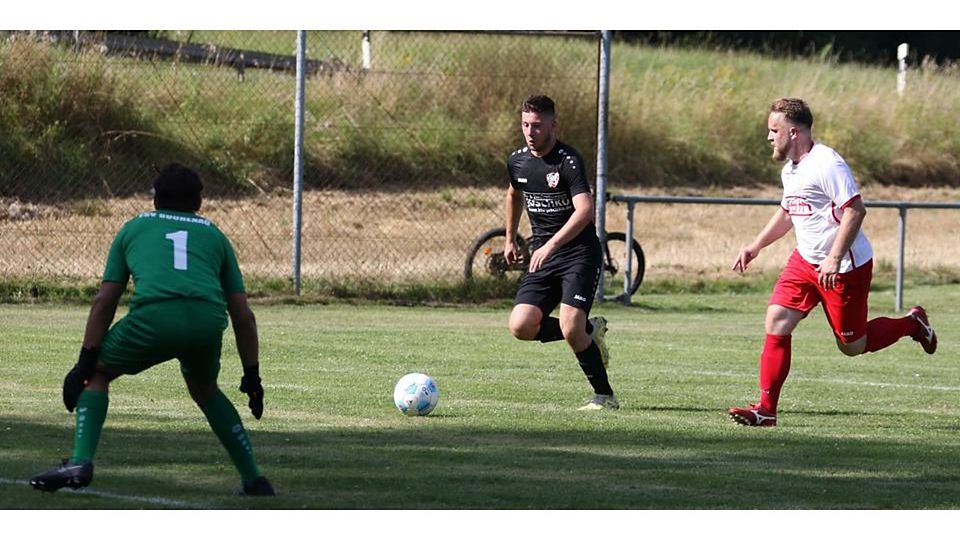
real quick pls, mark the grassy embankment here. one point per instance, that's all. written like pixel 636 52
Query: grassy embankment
pixel 681 121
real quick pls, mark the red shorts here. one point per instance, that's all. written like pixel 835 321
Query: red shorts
pixel 845 305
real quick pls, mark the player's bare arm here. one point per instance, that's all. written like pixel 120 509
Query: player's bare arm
pixel 514 208
pixel 779 225
pixel 84 372
pixel 850 224
pixel 244 329
pixel 248 346
pixel 582 215
pixel 102 310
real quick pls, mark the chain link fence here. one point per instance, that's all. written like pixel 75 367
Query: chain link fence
pixel 406 139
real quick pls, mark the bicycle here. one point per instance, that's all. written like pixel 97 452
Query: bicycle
pixel 485 258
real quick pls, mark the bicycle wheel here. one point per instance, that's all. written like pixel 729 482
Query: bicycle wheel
pixel 614 259
pixel 485 257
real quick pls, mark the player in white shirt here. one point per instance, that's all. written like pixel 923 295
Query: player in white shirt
pixel 832 264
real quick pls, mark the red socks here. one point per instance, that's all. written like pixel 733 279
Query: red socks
pixel 774 368
pixel 883 332
pixel 775 358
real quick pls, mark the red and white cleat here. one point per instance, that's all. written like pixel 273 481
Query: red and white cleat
pixel 754 415
pixel 924 334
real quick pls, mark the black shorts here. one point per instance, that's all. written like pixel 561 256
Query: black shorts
pixel 571 280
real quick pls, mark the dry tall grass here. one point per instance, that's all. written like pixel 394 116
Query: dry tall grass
pixel 349 236
pixel 698 118
pixel 686 240
pixel 421 140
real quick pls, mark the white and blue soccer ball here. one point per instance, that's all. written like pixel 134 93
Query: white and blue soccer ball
pixel 416 394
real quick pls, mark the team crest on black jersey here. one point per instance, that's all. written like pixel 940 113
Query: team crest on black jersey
pixel 553 179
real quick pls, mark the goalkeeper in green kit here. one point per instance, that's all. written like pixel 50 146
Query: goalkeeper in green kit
pixel 186 280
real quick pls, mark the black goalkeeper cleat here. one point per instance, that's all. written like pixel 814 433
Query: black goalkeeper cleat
pixel 259 487
pixel 71 475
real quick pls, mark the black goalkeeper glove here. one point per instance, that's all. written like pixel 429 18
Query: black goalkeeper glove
pixel 76 380
pixel 250 385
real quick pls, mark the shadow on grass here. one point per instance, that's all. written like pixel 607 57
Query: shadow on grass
pixel 427 464
pixel 678 308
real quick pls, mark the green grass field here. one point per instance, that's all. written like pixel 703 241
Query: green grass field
pixel 873 432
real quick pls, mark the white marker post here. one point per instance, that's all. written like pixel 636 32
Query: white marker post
pixel 902 52
pixel 365 50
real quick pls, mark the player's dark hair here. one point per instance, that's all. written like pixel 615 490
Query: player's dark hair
pixel 794 110
pixel 539 105
pixel 177 187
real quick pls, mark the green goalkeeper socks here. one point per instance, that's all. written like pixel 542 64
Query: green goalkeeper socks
pixel 91 413
pixel 220 413
pixel 223 418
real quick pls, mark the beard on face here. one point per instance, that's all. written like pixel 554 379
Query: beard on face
pixel 780 152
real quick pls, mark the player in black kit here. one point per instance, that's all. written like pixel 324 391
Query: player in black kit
pixel 549 179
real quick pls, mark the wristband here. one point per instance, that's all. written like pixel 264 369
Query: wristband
pixel 88 359
pixel 252 371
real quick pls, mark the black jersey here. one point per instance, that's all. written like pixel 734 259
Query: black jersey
pixel 549 184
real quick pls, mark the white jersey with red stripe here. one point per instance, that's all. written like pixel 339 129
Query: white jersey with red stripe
pixel 815 192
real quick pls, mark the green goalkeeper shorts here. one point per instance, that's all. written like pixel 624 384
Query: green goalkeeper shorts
pixel 189 330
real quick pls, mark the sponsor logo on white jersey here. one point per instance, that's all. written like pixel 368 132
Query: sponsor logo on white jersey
pixel 798 206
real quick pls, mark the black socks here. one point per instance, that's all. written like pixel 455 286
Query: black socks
pixel 592 366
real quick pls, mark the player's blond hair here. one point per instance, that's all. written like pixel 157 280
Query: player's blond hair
pixel 795 110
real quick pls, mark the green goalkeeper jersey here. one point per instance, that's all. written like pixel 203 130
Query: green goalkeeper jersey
pixel 174 255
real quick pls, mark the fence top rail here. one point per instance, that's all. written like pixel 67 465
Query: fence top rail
pixel 631 199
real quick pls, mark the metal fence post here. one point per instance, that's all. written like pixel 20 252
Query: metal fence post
pixel 628 269
pixel 298 160
pixel 603 98
pixel 902 230
pixel 902 206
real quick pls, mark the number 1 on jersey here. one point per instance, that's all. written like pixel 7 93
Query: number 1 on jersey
pixel 179 240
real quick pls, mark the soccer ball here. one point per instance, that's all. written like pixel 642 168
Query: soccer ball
pixel 415 394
